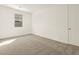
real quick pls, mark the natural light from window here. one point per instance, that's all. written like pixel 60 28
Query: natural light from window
pixel 7 42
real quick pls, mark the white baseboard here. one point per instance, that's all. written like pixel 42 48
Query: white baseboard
pixel 49 38
pixel 16 36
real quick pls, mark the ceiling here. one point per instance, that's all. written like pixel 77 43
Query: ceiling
pixel 31 8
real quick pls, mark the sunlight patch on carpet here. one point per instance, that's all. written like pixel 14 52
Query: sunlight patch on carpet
pixel 7 42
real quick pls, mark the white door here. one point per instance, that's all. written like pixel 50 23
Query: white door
pixel 74 24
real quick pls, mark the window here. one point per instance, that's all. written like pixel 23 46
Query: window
pixel 18 20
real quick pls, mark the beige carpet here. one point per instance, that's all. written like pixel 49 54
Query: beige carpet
pixel 35 45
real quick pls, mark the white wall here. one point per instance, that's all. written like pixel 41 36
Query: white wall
pixel 7 28
pixel 51 23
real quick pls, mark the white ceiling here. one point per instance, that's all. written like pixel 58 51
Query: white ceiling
pixel 36 7
pixel 29 7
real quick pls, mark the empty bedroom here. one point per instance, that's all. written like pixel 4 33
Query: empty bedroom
pixel 39 29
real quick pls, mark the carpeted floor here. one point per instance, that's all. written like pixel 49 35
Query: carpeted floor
pixel 35 45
